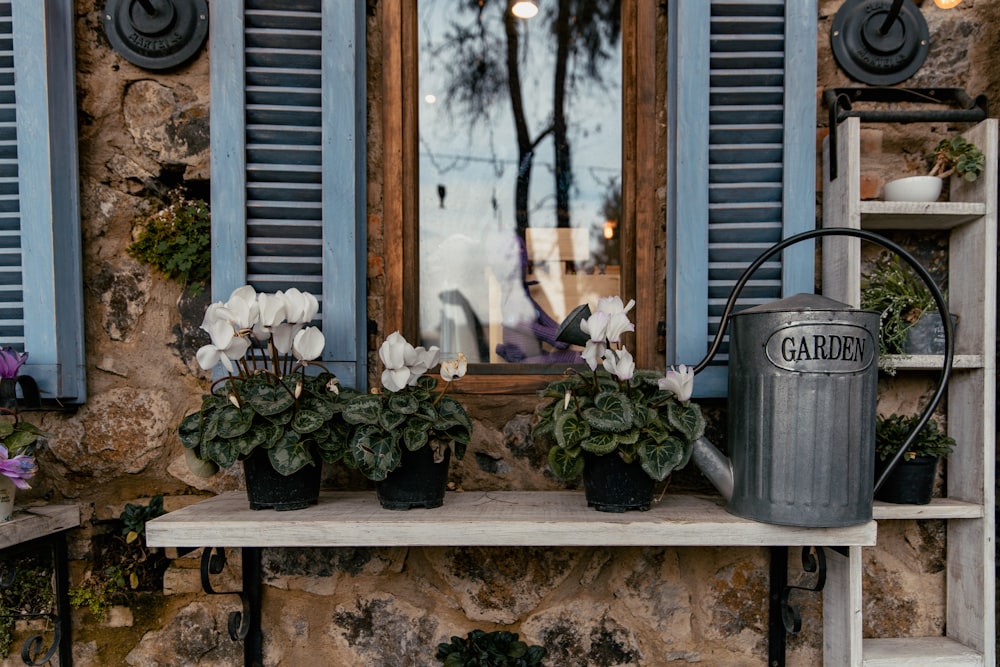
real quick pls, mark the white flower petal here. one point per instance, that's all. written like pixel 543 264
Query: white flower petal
pixel 308 344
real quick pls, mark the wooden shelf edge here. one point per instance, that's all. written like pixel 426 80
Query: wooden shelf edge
pixel 889 215
pixel 939 508
pixel 933 362
pixel 922 651
pixel 482 518
pixel 29 523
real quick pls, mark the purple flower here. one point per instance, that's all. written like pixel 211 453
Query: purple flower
pixel 20 468
pixel 10 361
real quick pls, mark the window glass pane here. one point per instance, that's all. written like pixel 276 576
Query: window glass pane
pixel 520 173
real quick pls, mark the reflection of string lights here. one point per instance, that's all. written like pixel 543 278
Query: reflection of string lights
pixel 946 4
pixel 609 229
pixel 524 9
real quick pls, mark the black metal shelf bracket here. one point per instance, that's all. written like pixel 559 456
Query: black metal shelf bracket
pixel 34 651
pixel 783 617
pixel 244 625
pixel 840 101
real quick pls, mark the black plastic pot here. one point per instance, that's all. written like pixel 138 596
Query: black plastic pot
pixel 418 482
pixel 926 336
pixel 911 481
pixel 612 485
pixel 269 489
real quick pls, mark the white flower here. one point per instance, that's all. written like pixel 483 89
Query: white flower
pixel 272 313
pixel 308 344
pixel 609 321
pixel 593 352
pixel 454 369
pixel 225 347
pixel 620 364
pixel 300 307
pixel 404 364
pixel 282 336
pixel 680 382
pixel 243 307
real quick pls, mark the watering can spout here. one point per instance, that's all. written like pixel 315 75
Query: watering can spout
pixel 714 465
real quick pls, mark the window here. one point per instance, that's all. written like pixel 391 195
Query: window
pixel 519 162
pixel 41 284
pixel 611 188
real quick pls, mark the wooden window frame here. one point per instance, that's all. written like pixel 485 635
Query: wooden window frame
pixel 641 221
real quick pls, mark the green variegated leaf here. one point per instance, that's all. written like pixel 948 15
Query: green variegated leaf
pixel 233 423
pixel 243 444
pixel 403 402
pixel 570 429
pixel 210 425
pixel 363 409
pixel 220 451
pixel 374 452
pixel 458 449
pixel 306 421
pixel 391 421
pixel 282 418
pixel 190 431
pixel 657 429
pixel 6 428
pixel 686 418
pixel 286 460
pixel 565 463
pixel 452 414
pixel 322 407
pixel 415 434
pixel 270 435
pixel 266 398
pixel 611 411
pixel 600 443
pixel 660 459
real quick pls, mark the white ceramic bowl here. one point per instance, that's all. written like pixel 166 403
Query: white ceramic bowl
pixel 913 188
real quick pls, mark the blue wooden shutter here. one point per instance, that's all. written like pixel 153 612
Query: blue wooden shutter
pixel 288 160
pixel 741 171
pixel 41 285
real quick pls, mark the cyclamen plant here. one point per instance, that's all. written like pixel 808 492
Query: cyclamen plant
pixel 640 415
pixel 267 399
pixel 408 412
pixel 18 438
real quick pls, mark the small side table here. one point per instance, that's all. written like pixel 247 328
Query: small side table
pixel 45 526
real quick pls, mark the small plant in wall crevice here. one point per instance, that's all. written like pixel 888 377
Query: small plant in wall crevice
pixel 499 648
pixel 176 240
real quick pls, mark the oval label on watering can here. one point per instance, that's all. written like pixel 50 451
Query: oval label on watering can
pixel 828 347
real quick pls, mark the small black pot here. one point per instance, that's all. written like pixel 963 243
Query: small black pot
pixel 269 489
pixel 926 336
pixel 416 482
pixel 611 485
pixel 911 482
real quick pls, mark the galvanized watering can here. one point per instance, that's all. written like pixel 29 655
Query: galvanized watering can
pixel 803 376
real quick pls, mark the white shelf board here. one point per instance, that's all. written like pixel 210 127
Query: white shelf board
pixel 933 362
pixel 918 216
pixel 939 508
pixel 474 518
pixel 919 652
pixel 30 523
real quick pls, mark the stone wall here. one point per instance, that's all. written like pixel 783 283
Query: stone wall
pixel 144 133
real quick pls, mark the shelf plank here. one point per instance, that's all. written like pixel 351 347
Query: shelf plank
pixel 919 652
pixel 501 518
pixel 939 508
pixel 918 216
pixel 933 362
pixel 33 522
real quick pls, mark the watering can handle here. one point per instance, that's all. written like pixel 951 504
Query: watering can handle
pixel 949 332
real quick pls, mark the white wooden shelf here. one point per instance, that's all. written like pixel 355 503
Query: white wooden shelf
pixel 34 522
pixel 939 508
pixel 970 219
pixel 933 362
pixel 918 216
pixel 501 518
pixel 920 652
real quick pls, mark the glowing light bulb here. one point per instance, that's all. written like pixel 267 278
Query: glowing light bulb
pixel 524 9
pixel 947 4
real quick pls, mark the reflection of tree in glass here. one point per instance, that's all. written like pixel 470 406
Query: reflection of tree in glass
pixel 483 66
